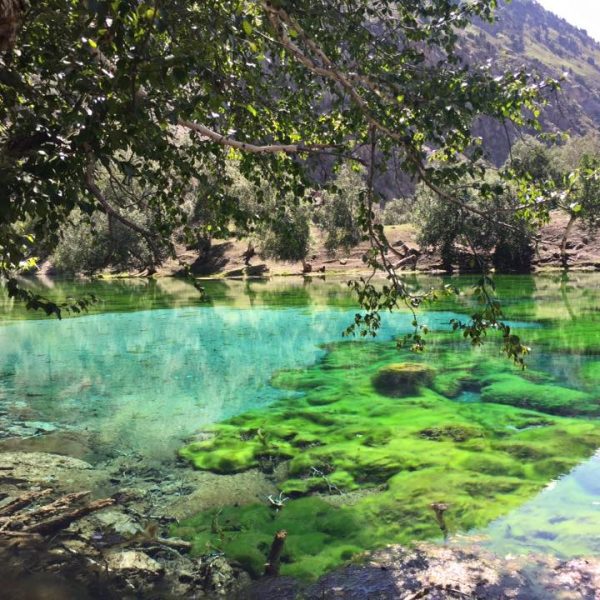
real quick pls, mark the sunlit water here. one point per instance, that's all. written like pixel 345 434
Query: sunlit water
pixel 143 381
pixel 151 367
pixel 563 519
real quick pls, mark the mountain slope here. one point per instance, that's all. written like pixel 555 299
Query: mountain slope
pixel 526 34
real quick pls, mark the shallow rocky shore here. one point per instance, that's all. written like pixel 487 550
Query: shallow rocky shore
pixel 438 572
pixel 124 551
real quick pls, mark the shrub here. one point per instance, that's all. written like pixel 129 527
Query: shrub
pixel 339 212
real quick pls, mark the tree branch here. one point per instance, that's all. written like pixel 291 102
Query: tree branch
pixel 96 192
pixel 279 18
pixel 250 147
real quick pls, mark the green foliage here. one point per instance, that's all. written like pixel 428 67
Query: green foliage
pixel 532 159
pixel 82 249
pixel 564 177
pixel 498 231
pixel 287 235
pixel 339 210
pixel 396 212
pixel 277 222
pixel 163 93
pixel 87 250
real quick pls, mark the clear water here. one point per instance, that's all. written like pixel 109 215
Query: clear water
pixel 143 381
pixel 564 519
pixel 152 365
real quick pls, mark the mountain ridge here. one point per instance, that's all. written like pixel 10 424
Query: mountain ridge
pixel 525 34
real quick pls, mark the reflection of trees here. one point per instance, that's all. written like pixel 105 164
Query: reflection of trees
pixel 564 280
pixel 146 378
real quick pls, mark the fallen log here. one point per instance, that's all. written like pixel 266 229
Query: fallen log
pixel 411 259
pixel 58 506
pixel 62 521
pixel 20 534
pixel 174 543
pixel 22 501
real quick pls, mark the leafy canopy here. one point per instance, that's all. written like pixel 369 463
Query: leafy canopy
pixel 166 92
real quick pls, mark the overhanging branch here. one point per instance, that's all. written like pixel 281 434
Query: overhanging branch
pixel 96 192
pixel 250 147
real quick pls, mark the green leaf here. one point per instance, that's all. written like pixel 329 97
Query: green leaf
pixel 247 27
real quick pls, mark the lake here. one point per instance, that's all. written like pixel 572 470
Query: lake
pixel 359 437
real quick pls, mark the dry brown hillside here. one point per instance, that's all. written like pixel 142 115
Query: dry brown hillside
pixel 225 258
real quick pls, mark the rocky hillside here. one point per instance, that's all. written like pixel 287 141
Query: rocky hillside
pixel 525 34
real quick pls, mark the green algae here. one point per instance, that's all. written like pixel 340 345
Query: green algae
pixel 552 399
pixel 361 467
pixel 573 337
pixel 590 373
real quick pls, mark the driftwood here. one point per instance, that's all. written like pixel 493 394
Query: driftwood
pixel 411 259
pixel 19 521
pixel 174 543
pixel 23 500
pixel 21 534
pixel 64 520
pixel 439 508
pixel 58 506
pixel 272 566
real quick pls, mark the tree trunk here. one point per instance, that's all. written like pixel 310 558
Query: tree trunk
pixel 11 15
pixel 563 246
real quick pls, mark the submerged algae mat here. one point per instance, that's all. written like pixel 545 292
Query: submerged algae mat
pixel 371 438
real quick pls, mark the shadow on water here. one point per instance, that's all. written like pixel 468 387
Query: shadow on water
pixel 37 586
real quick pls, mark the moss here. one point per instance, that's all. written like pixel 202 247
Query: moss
pixel 311 548
pixel 573 337
pixel 551 399
pixel 451 383
pixel 590 373
pixel 524 451
pixel 402 379
pixel 458 433
pixel 494 465
pixel 363 467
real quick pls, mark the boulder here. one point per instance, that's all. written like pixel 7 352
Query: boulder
pixel 402 379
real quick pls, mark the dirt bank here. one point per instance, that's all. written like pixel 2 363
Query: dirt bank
pixel 226 258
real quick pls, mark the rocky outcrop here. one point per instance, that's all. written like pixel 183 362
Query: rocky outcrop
pixel 436 572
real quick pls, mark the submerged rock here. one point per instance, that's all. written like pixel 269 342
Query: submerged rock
pixel 67 443
pixel 119 522
pixel 48 470
pixel 133 562
pixel 550 399
pixel 221 579
pixel 402 379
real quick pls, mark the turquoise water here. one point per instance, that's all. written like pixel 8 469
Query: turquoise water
pixel 143 381
pixel 153 364
pixel 564 519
